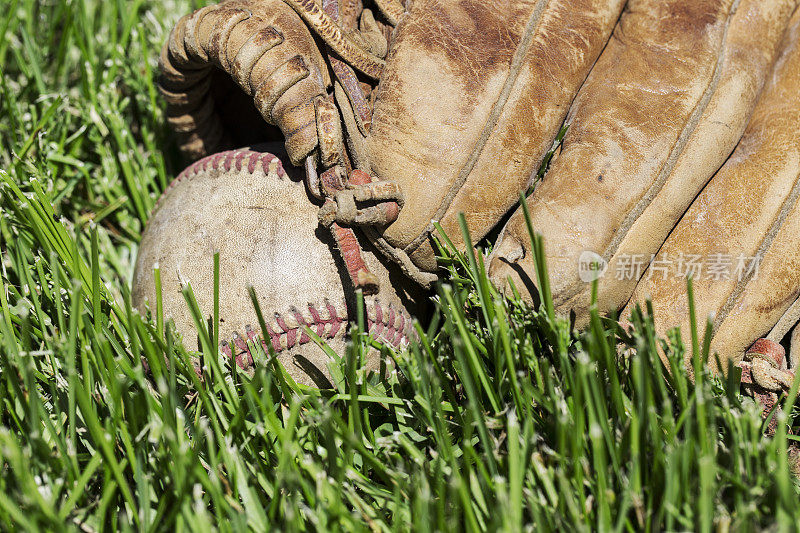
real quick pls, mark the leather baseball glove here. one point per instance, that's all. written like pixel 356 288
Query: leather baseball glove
pixel 469 98
pixel 406 117
pixel 662 110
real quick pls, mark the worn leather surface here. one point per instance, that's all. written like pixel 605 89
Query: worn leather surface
pixel 229 69
pixel 258 216
pixel 661 111
pixel 750 209
pixel 471 98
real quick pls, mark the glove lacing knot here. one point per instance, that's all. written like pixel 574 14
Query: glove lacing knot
pixel 765 376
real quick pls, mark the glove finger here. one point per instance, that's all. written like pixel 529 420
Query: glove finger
pixel 470 100
pixel 230 70
pixel 742 233
pixel 662 109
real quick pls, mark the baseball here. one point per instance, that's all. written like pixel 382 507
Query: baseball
pixel 253 210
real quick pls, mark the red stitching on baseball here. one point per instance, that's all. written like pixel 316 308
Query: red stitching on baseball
pixel 224 161
pixel 336 323
pixel 391 326
pixel 251 164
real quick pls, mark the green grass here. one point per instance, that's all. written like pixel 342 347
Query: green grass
pixel 501 418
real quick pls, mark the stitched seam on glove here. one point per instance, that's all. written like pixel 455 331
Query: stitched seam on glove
pixel 739 289
pixel 497 110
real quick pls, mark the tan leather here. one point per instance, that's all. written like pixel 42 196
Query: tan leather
pixel 230 69
pixel 254 210
pixel 749 210
pixel 661 111
pixel 472 95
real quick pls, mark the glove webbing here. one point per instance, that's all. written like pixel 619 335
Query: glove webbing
pixel 339 181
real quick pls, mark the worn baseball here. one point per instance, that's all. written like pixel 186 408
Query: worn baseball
pixel 253 210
